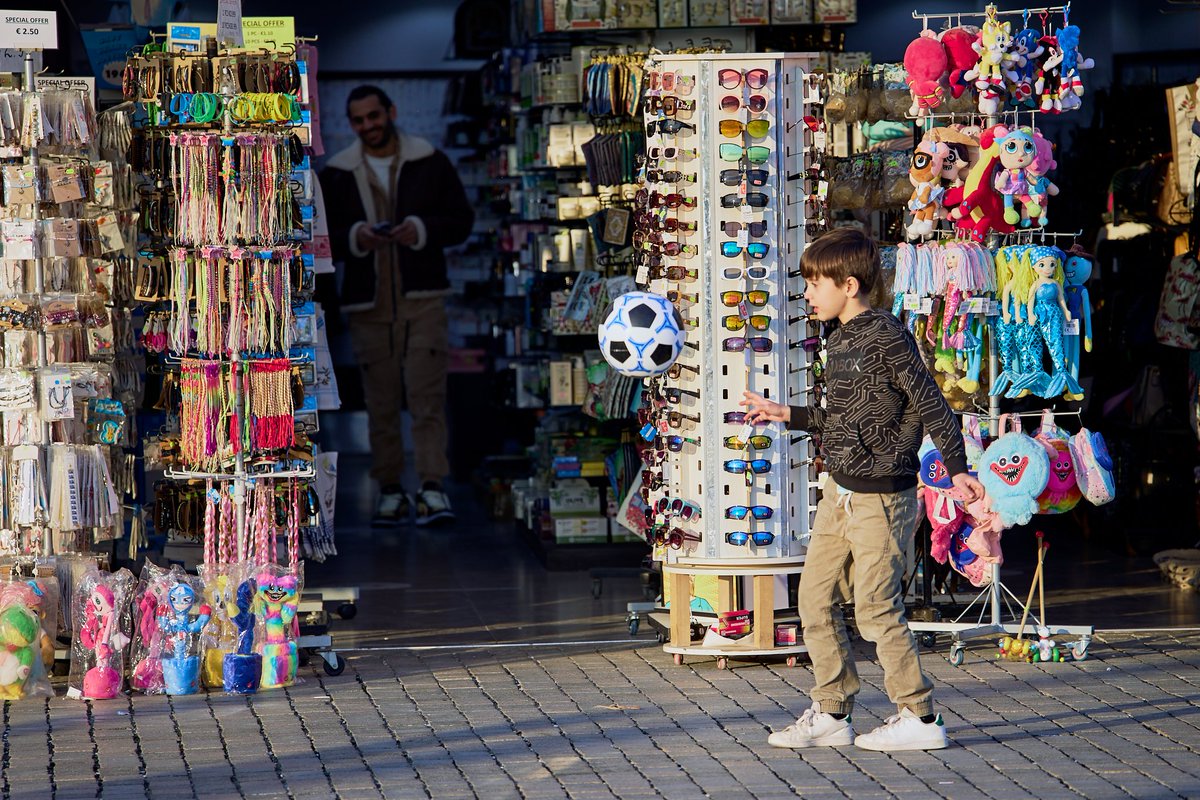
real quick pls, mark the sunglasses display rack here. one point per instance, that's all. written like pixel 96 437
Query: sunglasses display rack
pixel 228 270
pixel 69 375
pixel 736 500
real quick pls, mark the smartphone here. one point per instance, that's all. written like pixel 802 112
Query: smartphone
pixel 381 228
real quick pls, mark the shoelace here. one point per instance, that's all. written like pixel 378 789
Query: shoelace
pixel 806 719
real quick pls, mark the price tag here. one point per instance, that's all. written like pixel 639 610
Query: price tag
pixel 743 310
pixel 977 305
pixel 29 30
pixel 819 140
pixel 643 275
pixel 926 305
pixel 912 302
pixel 743 237
pixel 823 189
pixel 747 213
pixel 229 22
pixel 1071 328
pixel 747 432
pixel 664 428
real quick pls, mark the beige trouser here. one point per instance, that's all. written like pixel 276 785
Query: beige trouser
pixel 406 358
pixel 858 551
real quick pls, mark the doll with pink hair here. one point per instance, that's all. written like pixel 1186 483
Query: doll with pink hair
pixel 1041 189
pixel 100 611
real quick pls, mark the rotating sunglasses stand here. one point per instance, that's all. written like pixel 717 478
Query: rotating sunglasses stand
pixel 779 476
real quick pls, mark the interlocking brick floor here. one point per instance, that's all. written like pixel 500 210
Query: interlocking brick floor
pixel 623 721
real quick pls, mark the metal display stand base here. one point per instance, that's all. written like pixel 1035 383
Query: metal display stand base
pixel 963 630
pixel 760 642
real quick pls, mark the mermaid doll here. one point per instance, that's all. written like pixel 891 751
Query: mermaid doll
pixel 1004 326
pixel 1048 312
pixel 1027 338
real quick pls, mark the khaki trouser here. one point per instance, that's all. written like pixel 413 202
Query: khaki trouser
pixel 858 552
pixel 406 358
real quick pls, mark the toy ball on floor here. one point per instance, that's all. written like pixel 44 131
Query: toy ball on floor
pixel 642 335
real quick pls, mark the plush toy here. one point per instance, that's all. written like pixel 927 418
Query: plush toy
pixel 1062 490
pixel 961 57
pixel 19 632
pixel 220 636
pixel 1070 85
pixel 101 634
pixel 147 675
pixel 1093 467
pixel 982 208
pixel 1077 269
pixel 243 669
pixel 1017 152
pixel 926 177
pixel 181 638
pixel 1047 308
pixel 1046 84
pixel 995 60
pixel 1040 187
pixel 1027 48
pixel 925 64
pixel 1045 649
pixel 276 599
pixel 1014 473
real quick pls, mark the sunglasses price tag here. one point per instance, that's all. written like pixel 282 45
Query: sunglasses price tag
pixel 643 275
pixel 819 140
pixel 747 431
pixel 747 212
pixel 823 189
pixel 664 427
pixel 743 309
pixel 743 237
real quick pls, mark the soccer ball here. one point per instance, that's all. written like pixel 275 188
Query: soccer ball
pixel 643 334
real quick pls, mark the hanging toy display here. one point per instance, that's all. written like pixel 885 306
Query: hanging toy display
pixel 995 62
pixel 1017 152
pixel 982 208
pixel 1070 84
pixel 100 607
pixel 1028 49
pixel 1062 489
pixel 961 57
pixel 1077 270
pixel 181 619
pixel 276 598
pixel 1014 473
pixel 242 669
pixel 1047 309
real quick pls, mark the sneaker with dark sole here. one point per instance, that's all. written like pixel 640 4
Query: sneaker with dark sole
pixel 393 509
pixel 433 507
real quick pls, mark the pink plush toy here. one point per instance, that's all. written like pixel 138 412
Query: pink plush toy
pixel 925 62
pixel 1041 189
pixel 961 57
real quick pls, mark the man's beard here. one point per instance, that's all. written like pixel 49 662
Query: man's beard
pixel 387 135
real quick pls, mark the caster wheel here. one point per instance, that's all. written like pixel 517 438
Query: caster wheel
pixel 679 659
pixel 597 588
pixel 661 637
pixel 928 640
pixel 791 661
pixel 1079 651
pixel 633 627
pixel 956 656
pixel 722 663
pixel 332 670
pixel 347 611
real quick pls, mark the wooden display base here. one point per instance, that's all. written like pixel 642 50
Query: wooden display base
pixel 761 639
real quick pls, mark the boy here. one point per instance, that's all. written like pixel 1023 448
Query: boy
pixel 879 394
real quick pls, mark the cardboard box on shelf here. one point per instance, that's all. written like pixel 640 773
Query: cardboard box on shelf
pixel 574 498
pixel 581 530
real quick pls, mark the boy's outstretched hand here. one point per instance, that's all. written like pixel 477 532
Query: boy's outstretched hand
pixel 759 409
pixel 969 486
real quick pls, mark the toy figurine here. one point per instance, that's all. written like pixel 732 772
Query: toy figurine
pixel 242 671
pixel 220 636
pixel 1048 310
pixel 926 177
pixel 982 208
pixel 147 675
pixel 181 669
pixel 1014 473
pixel 101 633
pixel 276 601
pixel 1028 49
pixel 925 63
pixel 1040 187
pixel 1017 152
pixel 19 631
pixel 1046 649
pixel 1077 269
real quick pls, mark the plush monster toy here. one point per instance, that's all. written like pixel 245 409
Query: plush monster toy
pixel 1014 473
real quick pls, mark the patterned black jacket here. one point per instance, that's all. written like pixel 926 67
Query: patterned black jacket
pixel 879 398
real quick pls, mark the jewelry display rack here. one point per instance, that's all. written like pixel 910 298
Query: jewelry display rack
pixel 995 594
pixel 734 344
pixel 241 480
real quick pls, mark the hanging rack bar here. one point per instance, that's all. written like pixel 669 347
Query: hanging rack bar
pixel 1016 12
pixel 1024 414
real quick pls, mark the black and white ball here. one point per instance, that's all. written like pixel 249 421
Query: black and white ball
pixel 643 334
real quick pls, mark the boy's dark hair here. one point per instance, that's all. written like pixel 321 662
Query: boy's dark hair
pixel 841 254
pixel 365 91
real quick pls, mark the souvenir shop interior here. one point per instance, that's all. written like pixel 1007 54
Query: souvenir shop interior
pixel 179 394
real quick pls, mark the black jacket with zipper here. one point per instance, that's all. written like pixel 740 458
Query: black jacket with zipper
pixel 879 397
pixel 428 187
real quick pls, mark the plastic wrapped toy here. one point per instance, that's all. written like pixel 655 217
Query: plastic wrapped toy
pixel 181 618
pixel 145 652
pixel 102 626
pixel 277 596
pixel 242 669
pixel 220 635
pixel 22 671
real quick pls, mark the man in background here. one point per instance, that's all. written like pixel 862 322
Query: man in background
pixel 394 203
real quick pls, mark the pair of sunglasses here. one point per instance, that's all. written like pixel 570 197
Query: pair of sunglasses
pixel 668 224
pixel 669 176
pixel 674 273
pixel 752 199
pixel 757 442
pixel 736 344
pixel 743 538
pixel 756 128
pixel 758 512
pixel 754 177
pixel 755 154
pixel 670 248
pixel 677 369
pixel 760 322
pixel 755 229
pixel 753 273
pixel 669 105
pixel 667 126
pixel 732 78
pixel 757 250
pixel 755 297
pixel 756 103
pixel 677 507
pixel 758 466
pixel 671 153
pixel 675 538
pixel 659 200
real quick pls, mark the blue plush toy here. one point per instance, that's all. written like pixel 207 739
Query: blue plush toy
pixel 1014 472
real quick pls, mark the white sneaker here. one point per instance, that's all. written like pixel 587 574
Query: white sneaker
pixel 433 506
pixel 814 729
pixel 905 731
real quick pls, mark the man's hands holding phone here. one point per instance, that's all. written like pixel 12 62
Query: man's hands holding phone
pixel 383 234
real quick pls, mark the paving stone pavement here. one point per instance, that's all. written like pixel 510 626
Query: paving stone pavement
pixel 623 721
